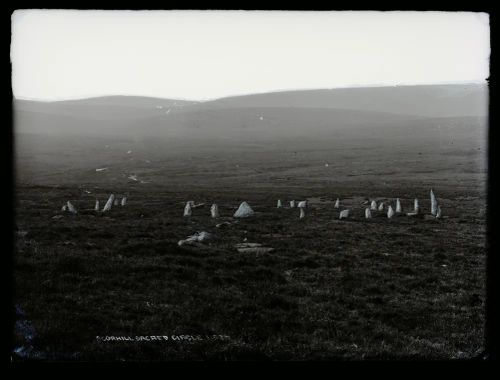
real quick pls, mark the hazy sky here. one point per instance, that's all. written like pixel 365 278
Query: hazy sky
pixel 209 54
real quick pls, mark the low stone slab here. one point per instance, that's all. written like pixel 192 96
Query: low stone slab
pixel 252 248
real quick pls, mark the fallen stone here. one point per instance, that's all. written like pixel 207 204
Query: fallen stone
pixel 252 248
pixel 248 245
pixel 199 237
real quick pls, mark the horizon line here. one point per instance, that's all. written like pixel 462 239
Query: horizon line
pixel 203 100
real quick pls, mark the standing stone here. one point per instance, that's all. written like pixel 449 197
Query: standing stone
pixel 124 201
pixel 415 206
pixel 381 206
pixel 368 213
pixel 243 211
pixel 214 211
pixel 302 204
pixel 64 208
pixel 398 206
pixel 438 212
pixel 71 208
pixel 279 205
pixel 344 214
pixel 292 204
pixel 434 203
pixel 96 208
pixel 373 206
pixel 116 203
pixel 302 213
pixel 390 212
pixel 337 203
pixel 187 209
pixel 109 203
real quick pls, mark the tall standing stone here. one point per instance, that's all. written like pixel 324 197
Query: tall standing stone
pixel 390 212
pixel 368 213
pixel 398 206
pixel 109 203
pixel 434 203
pixel 214 211
pixel 187 209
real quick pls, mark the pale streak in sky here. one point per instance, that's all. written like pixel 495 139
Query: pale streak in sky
pixel 62 54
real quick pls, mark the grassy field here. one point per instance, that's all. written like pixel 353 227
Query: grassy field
pixel 331 289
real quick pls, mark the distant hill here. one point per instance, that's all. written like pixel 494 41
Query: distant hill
pixel 423 101
pixel 296 113
pixel 130 101
pixel 106 107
